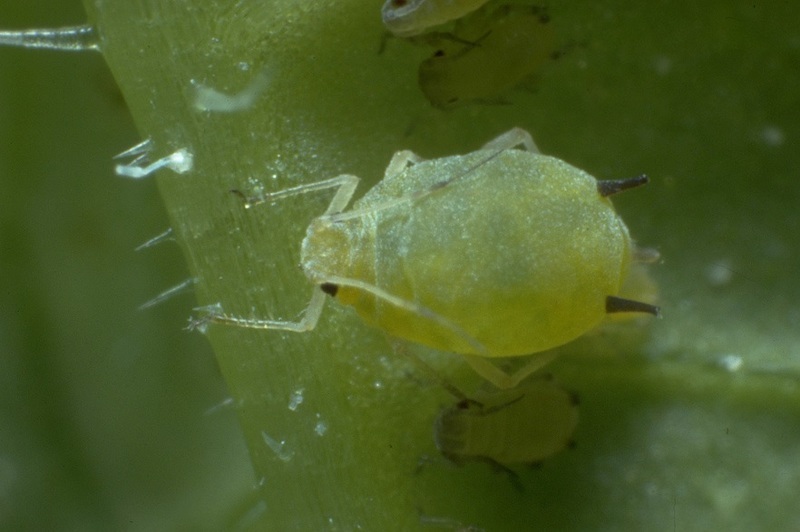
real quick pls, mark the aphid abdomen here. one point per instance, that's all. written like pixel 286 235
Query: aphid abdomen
pixel 520 254
pixel 531 429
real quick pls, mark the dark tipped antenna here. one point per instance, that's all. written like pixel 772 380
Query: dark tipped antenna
pixel 617 304
pixel 612 186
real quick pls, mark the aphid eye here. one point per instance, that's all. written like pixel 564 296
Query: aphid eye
pixel 439 53
pixel 463 404
pixel 399 3
pixel 329 288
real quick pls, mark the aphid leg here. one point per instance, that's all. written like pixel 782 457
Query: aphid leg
pixel 214 314
pixel 400 348
pixel 497 408
pixel 511 139
pixel 347 186
pixel 497 466
pixel 410 306
pixel 400 161
pixel 486 369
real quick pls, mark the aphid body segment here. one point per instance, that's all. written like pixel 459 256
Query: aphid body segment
pixel 500 252
pixel 407 18
pixel 508 52
pixel 520 426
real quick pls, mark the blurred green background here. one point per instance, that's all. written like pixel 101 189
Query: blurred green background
pixel 104 418
pixel 105 408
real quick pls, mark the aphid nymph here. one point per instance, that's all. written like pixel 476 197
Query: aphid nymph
pixel 524 425
pixel 500 252
pixel 517 42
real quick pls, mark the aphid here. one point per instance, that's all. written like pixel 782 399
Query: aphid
pixel 406 18
pixel 524 425
pixel 517 42
pixel 500 252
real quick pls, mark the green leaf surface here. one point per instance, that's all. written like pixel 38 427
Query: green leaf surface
pixel 689 423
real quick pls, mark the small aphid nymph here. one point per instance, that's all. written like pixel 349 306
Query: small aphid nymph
pixel 511 427
pixel 510 47
pixel 500 252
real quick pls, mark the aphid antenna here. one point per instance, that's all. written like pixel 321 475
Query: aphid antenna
pixel 499 407
pixel 345 184
pixel 410 198
pixel 462 175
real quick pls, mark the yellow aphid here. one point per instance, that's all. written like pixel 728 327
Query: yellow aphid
pixel 514 45
pixel 524 425
pixel 500 252
pixel 406 18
